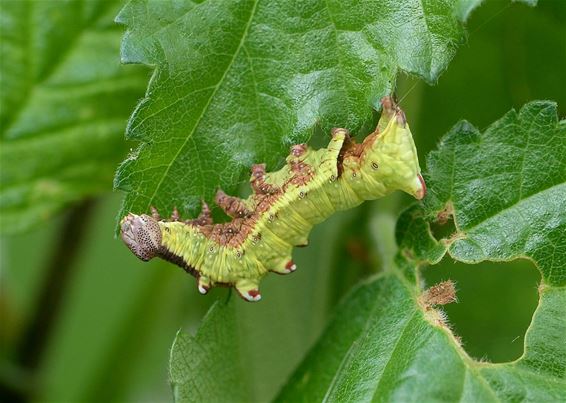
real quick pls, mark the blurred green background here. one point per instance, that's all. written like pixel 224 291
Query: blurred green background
pixel 111 338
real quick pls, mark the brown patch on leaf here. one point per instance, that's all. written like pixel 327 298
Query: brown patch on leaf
pixel 440 294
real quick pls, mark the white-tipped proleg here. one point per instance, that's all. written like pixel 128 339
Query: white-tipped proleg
pixel 285 267
pixel 204 284
pixel 248 289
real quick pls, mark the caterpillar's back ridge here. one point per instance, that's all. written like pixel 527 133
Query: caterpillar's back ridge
pixel 283 207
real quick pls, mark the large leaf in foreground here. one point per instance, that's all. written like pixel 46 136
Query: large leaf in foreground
pixel 387 342
pixel 64 101
pixel 237 82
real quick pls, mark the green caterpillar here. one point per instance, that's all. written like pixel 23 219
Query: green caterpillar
pixel 283 208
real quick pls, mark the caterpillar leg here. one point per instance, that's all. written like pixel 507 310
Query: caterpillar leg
pixel 286 266
pixel 248 290
pixel 204 284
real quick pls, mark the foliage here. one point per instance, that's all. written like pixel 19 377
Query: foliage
pixel 63 103
pixel 388 341
pixel 59 69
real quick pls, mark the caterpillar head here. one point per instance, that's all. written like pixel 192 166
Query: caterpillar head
pixel 141 233
pixel 392 155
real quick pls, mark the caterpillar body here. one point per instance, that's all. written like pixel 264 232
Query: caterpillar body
pixel 283 207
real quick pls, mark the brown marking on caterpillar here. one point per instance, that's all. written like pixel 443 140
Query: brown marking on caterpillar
pixel 235 233
pixel 175 216
pixel 155 214
pixel 351 150
pixel 340 160
pixel 239 229
pixel 303 173
pixel 299 149
pixel 264 202
pixel 401 119
pixel 232 206
pixel 204 218
pixel 178 260
pixel 259 186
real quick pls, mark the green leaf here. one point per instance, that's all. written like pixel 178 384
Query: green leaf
pixel 506 187
pixel 238 82
pixel 206 367
pixel 64 101
pixel 387 342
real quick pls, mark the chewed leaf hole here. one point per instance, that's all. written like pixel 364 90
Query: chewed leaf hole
pixel 496 302
pixel 443 227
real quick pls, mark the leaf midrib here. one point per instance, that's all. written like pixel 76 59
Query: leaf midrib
pixel 206 106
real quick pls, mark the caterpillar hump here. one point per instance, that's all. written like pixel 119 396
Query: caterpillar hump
pixel 283 207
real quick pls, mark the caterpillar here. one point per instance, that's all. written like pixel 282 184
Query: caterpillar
pixel 283 207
